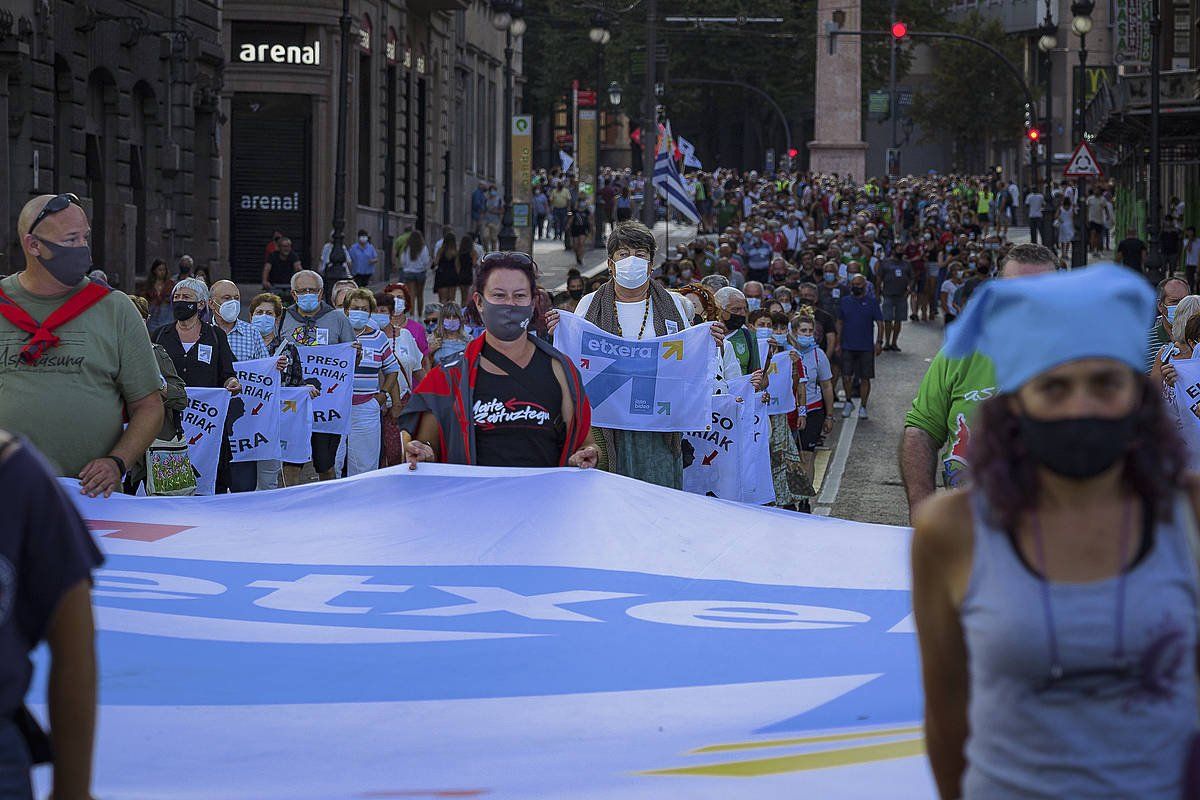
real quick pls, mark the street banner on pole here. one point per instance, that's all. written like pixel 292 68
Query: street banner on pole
pixel 332 367
pixel 586 149
pixel 204 430
pixel 522 190
pixel 255 435
pixel 659 384
pixel 675 646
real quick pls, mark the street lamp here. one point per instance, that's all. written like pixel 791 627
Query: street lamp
pixel 600 36
pixel 508 16
pixel 1047 43
pixel 1081 23
pixel 614 94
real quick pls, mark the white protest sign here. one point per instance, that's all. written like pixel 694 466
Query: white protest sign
pixel 732 460
pixel 204 430
pixel 332 367
pixel 782 400
pixel 660 384
pixel 255 435
pixel 295 425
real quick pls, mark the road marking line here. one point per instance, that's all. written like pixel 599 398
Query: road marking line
pixel 833 478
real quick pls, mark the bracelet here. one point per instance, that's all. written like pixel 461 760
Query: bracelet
pixel 120 462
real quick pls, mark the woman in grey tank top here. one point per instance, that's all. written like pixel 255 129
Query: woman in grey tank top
pixel 1056 599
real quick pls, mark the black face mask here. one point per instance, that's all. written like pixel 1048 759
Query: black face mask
pixel 734 322
pixel 858 291
pixel 1078 448
pixel 575 293
pixel 184 309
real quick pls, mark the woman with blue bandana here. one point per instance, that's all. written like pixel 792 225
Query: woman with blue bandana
pixel 1056 598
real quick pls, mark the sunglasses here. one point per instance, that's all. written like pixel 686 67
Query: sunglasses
pixel 56 204
pixel 510 257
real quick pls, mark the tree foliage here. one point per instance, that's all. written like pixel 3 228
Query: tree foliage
pixel 976 99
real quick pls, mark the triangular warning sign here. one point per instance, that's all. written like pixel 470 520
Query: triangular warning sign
pixel 1083 163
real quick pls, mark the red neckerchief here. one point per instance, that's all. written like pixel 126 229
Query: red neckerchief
pixel 43 337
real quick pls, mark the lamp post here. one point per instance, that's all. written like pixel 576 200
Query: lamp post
pixel 1047 42
pixel 1081 23
pixel 337 254
pixel 508 16
pixel 1154 211
pixel 600 36
pixel 649 117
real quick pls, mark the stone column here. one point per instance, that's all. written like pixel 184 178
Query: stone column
pixel 838 146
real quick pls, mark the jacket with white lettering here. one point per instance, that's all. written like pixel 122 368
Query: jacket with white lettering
pixel 447 393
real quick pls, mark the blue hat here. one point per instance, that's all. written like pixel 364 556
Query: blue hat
pixel 1032 324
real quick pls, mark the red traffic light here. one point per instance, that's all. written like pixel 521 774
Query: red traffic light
pixel 1034 134
pixel 793 153
pixel 899 30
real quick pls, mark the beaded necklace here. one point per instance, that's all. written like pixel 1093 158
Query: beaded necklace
pixel 645 317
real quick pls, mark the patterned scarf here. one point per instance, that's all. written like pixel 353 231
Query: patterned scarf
pixel 603 311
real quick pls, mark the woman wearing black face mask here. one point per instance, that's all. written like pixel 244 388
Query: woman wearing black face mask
pixel 203 358
pixel 512 400
pixel 1056 600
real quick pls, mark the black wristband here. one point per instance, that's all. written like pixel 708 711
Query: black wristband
pixel 120 462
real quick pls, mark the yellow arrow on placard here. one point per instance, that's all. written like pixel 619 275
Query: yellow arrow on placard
pixel 289 405
pixel 674 348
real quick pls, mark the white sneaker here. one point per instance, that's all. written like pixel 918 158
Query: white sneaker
pixel 847 409
pixel 862 412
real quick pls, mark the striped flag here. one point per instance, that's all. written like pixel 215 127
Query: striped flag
pixel 667 180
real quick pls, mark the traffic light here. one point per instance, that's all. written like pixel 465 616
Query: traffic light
pixel 1034 135
pixel 899 30
pixel 793 153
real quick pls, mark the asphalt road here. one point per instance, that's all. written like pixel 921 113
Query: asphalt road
pixel 869 489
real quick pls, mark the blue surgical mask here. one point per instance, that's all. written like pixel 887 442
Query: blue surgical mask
pixel 830 276
pixel 806 342
pixel 308 302
pixel 263 323
pixel 753 303
pixel 359 318
pixel 779 339
pixel 1171 313
pixel 451 325
pixel 380 320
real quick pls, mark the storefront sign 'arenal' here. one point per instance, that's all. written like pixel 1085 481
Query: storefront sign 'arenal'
pixel 280 54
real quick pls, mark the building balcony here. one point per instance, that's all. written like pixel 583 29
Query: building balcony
pixel 429 6
pixel 1119 113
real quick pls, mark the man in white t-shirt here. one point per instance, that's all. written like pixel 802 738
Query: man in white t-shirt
pixel 633 306
pixel 1035 203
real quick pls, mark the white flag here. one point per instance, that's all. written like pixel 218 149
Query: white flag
pixel 659 384
pixel 565 160
pixel 689 153
pixel 778 374
pixel 332 367
pixel 255 435
pixel 295 425
pixel 204 430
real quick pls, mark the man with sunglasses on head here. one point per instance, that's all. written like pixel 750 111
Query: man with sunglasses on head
pixel 75 361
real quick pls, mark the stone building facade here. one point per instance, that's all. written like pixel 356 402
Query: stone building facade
pixel 117 102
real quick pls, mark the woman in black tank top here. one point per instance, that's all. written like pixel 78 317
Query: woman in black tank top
pixel 518 415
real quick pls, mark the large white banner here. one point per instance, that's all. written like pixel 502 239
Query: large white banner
pixel 1187 404
pixel 295 425
pixel 675 646
pixel 203 430
pixel 660 384
pixel 332 366
pixel 732 460
pixel 255 435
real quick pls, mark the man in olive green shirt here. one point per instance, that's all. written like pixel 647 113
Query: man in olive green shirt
pixel 941 414
pixel 72 400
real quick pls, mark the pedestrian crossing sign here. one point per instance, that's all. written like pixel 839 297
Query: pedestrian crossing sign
pixel 1083 163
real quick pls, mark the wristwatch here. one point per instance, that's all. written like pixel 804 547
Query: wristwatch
pixel 120 462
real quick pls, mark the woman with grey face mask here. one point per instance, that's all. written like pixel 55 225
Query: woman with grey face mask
pixel 511 400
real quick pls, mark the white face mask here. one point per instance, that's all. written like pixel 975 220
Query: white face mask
pixel 632 272
pixel 229 310
pixel 399 307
